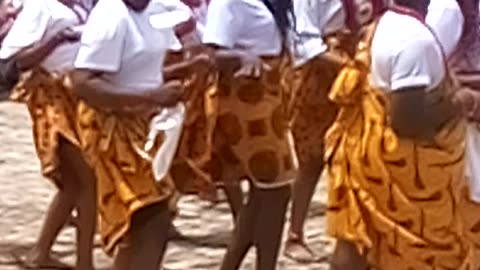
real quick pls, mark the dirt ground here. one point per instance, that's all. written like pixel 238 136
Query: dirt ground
pixel 24 196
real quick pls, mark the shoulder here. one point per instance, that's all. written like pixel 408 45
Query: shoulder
pixel 110 12
pixel 224 5
pixel 396 33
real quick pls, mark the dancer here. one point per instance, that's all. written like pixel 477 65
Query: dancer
pixel 312 113
pixel 119 77
pixel 251 136
pixel 397 193
pixel 42 41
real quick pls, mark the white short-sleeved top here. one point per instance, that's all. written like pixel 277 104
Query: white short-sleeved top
pixel 42 19
pixel 445 18
pixel 314 20
pixel 125 46
pixel 405 53
pixel 245 24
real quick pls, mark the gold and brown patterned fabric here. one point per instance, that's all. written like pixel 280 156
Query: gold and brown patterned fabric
pixel 113 144
pixel 251 138
pixel 312 112
pixel 404 203
pixel 52 109
pixel 194 148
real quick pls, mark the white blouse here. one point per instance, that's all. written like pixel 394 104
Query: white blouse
pixel 405 54
pixel 314 20
pixel 245 24
pixel 42 19
pixel 446 20
pixel 125 46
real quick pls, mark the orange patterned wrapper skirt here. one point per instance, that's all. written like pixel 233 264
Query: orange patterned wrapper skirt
pixel 251 136
pixel 113 144
pixel 404 203
pixel 51 104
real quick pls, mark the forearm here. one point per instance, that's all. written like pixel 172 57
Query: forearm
pixel 185 27
pixel 228 58
pixel 177 71
pixel 101 93
pixel 34 55
pixel 331 59
pixel 415 116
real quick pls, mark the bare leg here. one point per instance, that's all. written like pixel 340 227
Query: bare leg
pixel 243 234
pixel 269 225
pixel 347 257
pixel 86 205
pixel 57 215
pixel 234 194
pixel 303 191
pixel 145 247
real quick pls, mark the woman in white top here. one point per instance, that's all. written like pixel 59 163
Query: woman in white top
pixel 42 40
pixel 316 66
pixel 119 77
pixel 251 136
pixel 397 193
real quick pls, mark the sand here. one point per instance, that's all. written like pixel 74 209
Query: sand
pixel 25 196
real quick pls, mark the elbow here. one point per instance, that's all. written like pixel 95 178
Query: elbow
pixel 24 63
pixel 80 84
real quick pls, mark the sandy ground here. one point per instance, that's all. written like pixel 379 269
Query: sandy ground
pixel 24 196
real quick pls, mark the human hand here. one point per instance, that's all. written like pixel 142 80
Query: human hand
pixel 169 94
pixel 251 66
pixel 69 34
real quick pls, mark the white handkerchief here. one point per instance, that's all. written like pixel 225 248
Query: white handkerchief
pixel 170 122
pixel 472 160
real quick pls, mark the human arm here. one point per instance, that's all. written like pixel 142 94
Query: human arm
pixel 415 112
pixel 100 92
pixel 33 55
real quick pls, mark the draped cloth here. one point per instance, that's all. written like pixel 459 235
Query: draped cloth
pixel 251 136
pixel 403 203
pixel 51 104
pixel 311 111
pixel 113 143
pixel 195 146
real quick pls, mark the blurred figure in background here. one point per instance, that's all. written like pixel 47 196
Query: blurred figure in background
pixel 312 113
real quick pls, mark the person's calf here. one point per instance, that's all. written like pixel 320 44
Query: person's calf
pixel 347 257
pixel 269 225
pixel 145 246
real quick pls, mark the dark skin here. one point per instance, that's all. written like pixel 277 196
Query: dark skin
pixel 418 122
pixel 139 250
pixel 304 188
pixel 410 120
pixel 77 190
pixel 30 57
pixel 260 222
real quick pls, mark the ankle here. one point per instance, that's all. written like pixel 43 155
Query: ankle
pixel 296 237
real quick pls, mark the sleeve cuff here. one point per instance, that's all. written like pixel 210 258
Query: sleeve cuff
pixel 411 82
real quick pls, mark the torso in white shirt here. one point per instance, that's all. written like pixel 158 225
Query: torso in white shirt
pixel 125 46
pixel 42 19
pixel 245 24
pixel 314 20
pixel 446 20
pixel 405 54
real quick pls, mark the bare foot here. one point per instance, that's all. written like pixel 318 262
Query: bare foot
pixel 31 261
pixel 297 250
